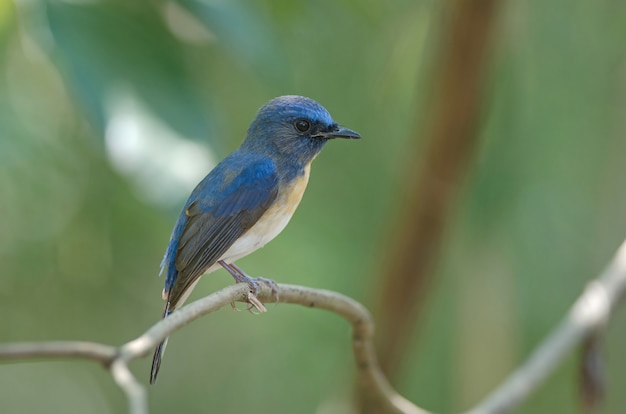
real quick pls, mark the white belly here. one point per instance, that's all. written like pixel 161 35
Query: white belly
pixel 270 224
pixel 265 229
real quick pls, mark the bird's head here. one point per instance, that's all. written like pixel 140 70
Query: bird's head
pixel 293 129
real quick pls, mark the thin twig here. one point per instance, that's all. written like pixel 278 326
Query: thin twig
pixel 135 392
pixel 359 317
pixel 107 355
pixel 61 349
pixel 589 314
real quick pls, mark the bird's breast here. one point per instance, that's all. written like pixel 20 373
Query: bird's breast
pixel 273 221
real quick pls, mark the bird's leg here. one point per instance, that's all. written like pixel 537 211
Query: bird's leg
pixel 241 277
pixel 269 282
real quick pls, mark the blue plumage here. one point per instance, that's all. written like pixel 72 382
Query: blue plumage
pixel 241 185
pixel 247 199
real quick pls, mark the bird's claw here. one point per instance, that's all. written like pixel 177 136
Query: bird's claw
pixel 255 303
pixel 255 306
pixel 253 283
pixel 270 283
pixel 255 287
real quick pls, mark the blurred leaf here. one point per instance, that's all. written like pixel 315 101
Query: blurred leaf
pixel 101 45
pixel 246 33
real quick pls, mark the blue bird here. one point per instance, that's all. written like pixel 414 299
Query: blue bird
pixel 247 199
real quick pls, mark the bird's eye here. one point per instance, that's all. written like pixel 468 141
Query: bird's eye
pixel 302 125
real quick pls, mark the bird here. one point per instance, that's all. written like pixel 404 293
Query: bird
pixel 246 200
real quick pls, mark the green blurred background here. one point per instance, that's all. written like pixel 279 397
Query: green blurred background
pixel 110 112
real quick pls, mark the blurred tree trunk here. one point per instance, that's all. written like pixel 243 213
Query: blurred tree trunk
pixel 451 132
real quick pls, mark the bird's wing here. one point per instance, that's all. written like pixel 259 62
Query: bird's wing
pixel 221 209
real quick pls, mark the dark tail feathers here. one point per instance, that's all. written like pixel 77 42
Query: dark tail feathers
pixel 160 349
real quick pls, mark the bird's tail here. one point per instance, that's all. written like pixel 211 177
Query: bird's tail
pixel 160 349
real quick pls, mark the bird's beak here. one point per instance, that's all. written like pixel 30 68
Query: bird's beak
pixel 341 132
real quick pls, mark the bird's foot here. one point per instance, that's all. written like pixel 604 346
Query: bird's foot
pixel 270 283
pixel 255 303
pixel 253 282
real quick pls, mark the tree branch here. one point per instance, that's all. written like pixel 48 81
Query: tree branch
pixel 587 317
pixel 449 137
pixel 589 314
pixel 117 359
pixel 61 349
pixel 135 392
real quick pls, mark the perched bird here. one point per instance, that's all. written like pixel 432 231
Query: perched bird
pixel 247 199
